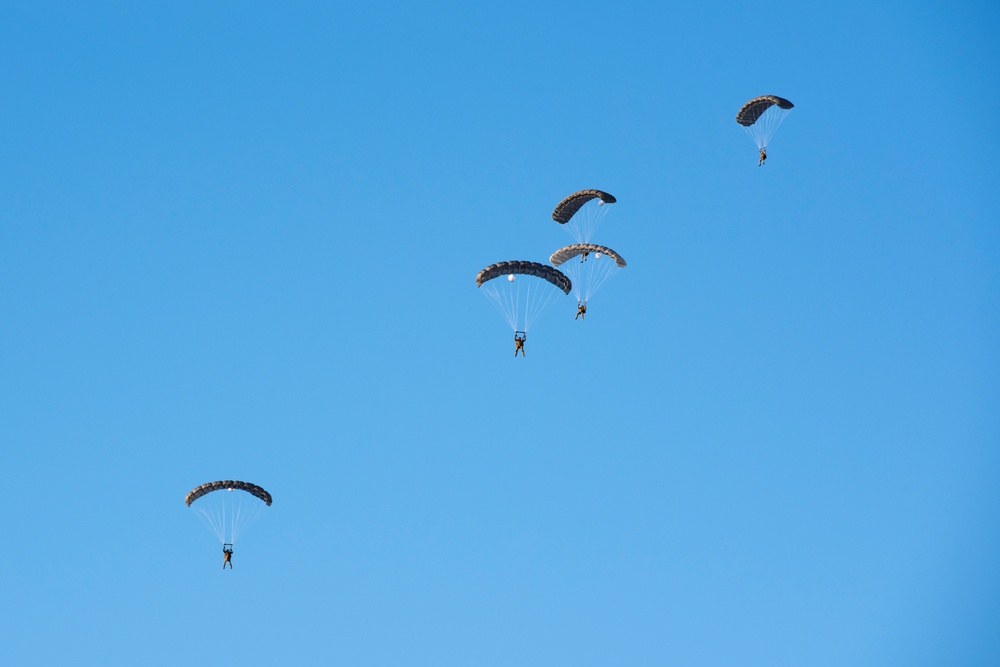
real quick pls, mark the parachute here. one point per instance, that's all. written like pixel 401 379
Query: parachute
pixel 597 264
pixel 568 207
pixel 579 216
pixel 227 514
pixel 569 252
pixel 761 116
pixel 526 269
pixel 524 294
pixel 231 485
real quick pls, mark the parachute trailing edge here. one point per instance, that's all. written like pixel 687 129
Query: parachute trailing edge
pixel 536 269
pixel 569 252
pixel 231 485
pixel 568 207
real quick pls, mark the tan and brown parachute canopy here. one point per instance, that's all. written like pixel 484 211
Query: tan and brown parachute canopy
pixel 536 269
pixel 753 109
pixel 568 207
pixel 569 252
pixel 230 484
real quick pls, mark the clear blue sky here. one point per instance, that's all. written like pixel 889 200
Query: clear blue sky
pixel 238 240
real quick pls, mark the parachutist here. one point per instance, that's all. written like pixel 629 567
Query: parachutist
pixel 581 311
pixel 760 117
pixel 584 256
pixel 519 306
pixel 226 515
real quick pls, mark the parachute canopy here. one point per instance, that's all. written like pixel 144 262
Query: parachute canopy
pixel 761 116
pixel 227 514
pixel 569 252
pixel 231 485
pixel 752 110
pixel 581 213
pixel 535 269
pixel 526 292
pixel 568 207
pixel 597 265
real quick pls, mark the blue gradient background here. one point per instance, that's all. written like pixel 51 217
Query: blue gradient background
pixel 239 241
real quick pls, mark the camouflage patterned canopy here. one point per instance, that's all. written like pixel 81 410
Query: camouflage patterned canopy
pixel 252 489
pixel 569 252
pixel 753 109
pixel 536 269
pixel 568 207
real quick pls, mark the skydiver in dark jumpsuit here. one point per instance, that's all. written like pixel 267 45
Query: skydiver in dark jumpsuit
pixel 227 557
pixel 581 311
pixel 519 343
pixel 763 156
